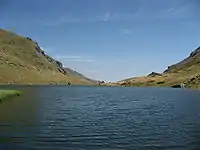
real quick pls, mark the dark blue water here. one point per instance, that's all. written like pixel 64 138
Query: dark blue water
pixel 101 118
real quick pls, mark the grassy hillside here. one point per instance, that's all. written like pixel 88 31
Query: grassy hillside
pixel 80 76
pixel 22 61
pixel 186 71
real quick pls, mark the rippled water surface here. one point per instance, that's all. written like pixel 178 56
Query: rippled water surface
pixel 101 118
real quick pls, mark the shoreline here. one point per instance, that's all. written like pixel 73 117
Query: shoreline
pixel 6 94
pixel 17 93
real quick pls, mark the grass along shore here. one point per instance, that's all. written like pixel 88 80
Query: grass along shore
pixel 5 94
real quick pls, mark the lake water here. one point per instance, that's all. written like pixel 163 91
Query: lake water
pixel 100 118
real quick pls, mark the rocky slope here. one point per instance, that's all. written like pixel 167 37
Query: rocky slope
pixel 186 71
pixel 22 61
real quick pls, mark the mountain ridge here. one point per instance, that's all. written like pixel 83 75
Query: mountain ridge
pixel 185 72
pixel 22 61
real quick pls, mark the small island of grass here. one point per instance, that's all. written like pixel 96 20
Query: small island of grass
pixel 5 94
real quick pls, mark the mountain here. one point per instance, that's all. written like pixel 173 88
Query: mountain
pixel 186 71
pixel 78 75
pixel 22 61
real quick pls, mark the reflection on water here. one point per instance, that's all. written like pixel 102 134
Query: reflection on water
pixel 59 117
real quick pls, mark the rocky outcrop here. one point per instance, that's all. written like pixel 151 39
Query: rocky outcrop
pixel 154 74
pixel 38 49
pixel 195 52
pixel 193 59
pixel 101 82
pixel 193 81
pixel 59 64
pixel 60 67
pixel 169 68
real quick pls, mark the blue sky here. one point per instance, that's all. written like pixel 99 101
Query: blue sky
pixel 108 39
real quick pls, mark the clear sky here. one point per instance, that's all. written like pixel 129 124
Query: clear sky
pixel 108 39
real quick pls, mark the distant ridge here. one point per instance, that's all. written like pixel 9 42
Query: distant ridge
pixel 186 71
pixel 76 74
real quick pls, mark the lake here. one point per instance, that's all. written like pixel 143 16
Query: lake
pixel 100 118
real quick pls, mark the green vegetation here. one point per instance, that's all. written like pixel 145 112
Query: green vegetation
pixel 186 71
pixel 22 61
pixel 5 94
